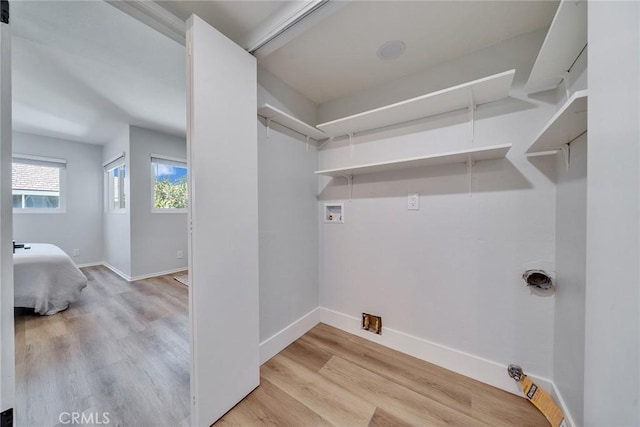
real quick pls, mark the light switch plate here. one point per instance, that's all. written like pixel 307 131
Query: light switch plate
pixel 413 201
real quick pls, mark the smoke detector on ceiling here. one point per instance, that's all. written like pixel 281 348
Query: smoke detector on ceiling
pixel 391 49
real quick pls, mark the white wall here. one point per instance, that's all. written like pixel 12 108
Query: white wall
pixel 571 246
pixel 277 93
pixel 117 225
pixel 155 237
pixel 80 226
pixel 451 272
pixel 571 269
pixel 612 341
pixel 288 213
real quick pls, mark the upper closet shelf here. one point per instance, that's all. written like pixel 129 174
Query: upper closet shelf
pixel 566 125
pixel 271 113
pixel 565 40
pixel 468 94
pixel 472 155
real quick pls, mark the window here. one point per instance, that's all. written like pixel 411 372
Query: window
pixel 169 184
pixel 116 173
pixel 37 183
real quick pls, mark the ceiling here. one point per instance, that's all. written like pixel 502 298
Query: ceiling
pixel 82 70
pixel 338 57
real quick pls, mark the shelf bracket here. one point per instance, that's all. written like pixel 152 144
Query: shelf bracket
pixel 470 164
pixel 472 110
pixel 566 85
pixel 350 144
pixel 268 123
pixel 349 179
pixel 566 151
pixel 307 146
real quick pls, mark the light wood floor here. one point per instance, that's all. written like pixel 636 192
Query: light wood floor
pixel 122 348
pixel 330 377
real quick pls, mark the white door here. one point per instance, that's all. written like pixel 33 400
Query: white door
pixel 223 210
pixel 7 354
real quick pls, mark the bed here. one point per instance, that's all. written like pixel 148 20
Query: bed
pixel 45 279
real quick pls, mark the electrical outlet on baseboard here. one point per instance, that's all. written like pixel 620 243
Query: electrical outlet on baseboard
pixel 76 252
pixel 179 255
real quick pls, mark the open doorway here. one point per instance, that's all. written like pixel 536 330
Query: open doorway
pixel 222 254
pixel 99 184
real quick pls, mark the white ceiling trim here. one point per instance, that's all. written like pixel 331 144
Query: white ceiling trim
pixel 287 24
pixel 155 16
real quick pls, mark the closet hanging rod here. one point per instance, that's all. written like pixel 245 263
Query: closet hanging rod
pixel 577 57
pixel 268 121
pixel 272 114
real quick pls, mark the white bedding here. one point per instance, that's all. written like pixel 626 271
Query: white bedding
pixel 45 279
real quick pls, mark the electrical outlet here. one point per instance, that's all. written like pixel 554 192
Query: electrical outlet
pixel 76 252
pixel 179 255
pixel 413 201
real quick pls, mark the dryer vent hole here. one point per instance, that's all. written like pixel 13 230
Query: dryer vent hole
pixel 538 279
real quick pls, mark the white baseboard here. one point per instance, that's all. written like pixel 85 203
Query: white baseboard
pixel 118 272
pixel 469 365
pixel 143 276
pixel 276 343
pixel 90 264
pixel 159 273
pixel 557 397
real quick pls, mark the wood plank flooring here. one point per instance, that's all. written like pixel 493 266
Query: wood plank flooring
pixel 123 348
pixel 330 377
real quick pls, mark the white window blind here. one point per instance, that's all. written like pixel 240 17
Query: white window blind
pixel 169 161
pixel 114 162
pixel 26 159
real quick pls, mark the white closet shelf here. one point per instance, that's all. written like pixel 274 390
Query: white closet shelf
pixel 468 94
pixel 464 156
pixel 565 40
pixel 270 112
pixel 566 125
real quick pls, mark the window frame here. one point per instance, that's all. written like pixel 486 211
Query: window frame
pixel 53 162
pixel 109 166
pixel 171 160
